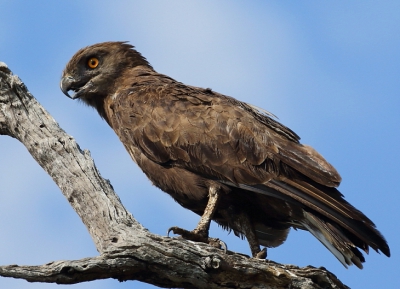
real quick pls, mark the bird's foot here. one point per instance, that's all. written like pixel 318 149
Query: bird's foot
pixel 198 236
pixel 262 254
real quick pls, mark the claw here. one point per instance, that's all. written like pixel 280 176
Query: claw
pixel 262 254
pixel 224 246
pixel 198 237
pixel 188 235
pixel 171 229
pixel 221 244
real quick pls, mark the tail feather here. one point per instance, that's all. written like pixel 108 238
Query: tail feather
pixel 360 230
pixel 334 240
pixel 321 210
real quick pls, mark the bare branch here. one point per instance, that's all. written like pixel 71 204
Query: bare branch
pixel 128 251
pixel 212 271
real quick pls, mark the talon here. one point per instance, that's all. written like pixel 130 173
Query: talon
pixel 224 246
pixel 171 229
pixel 188 235
pixel 262 254
pixel 198 236
pixel 217 243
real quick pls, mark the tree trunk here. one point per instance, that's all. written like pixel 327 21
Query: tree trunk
pixel 127 250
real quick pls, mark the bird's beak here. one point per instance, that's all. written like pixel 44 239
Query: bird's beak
pixel 66 85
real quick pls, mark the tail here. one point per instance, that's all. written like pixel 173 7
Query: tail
pixel 339 226
pixel 322 211
pixel 334 240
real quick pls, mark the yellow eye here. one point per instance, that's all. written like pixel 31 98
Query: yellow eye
pixel 93 62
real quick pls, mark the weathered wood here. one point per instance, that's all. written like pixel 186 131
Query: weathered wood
pixel 127 250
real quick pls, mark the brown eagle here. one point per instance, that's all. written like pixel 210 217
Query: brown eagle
pixel 223 159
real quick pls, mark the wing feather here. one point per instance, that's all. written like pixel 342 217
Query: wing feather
pixel 223 139
pixel 187 139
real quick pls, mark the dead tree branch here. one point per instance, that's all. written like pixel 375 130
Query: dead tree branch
pixel 127 250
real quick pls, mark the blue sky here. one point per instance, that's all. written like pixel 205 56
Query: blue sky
pixel 328 70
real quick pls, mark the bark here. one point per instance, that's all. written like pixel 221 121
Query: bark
pixel 127 250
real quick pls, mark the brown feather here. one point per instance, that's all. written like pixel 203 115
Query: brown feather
pixel 187 139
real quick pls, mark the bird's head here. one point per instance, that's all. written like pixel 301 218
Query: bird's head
pixel 92 72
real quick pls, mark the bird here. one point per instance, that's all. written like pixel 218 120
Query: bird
pixel 226 160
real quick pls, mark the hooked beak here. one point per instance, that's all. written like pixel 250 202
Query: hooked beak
pixel 79 86
pixel 66 85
